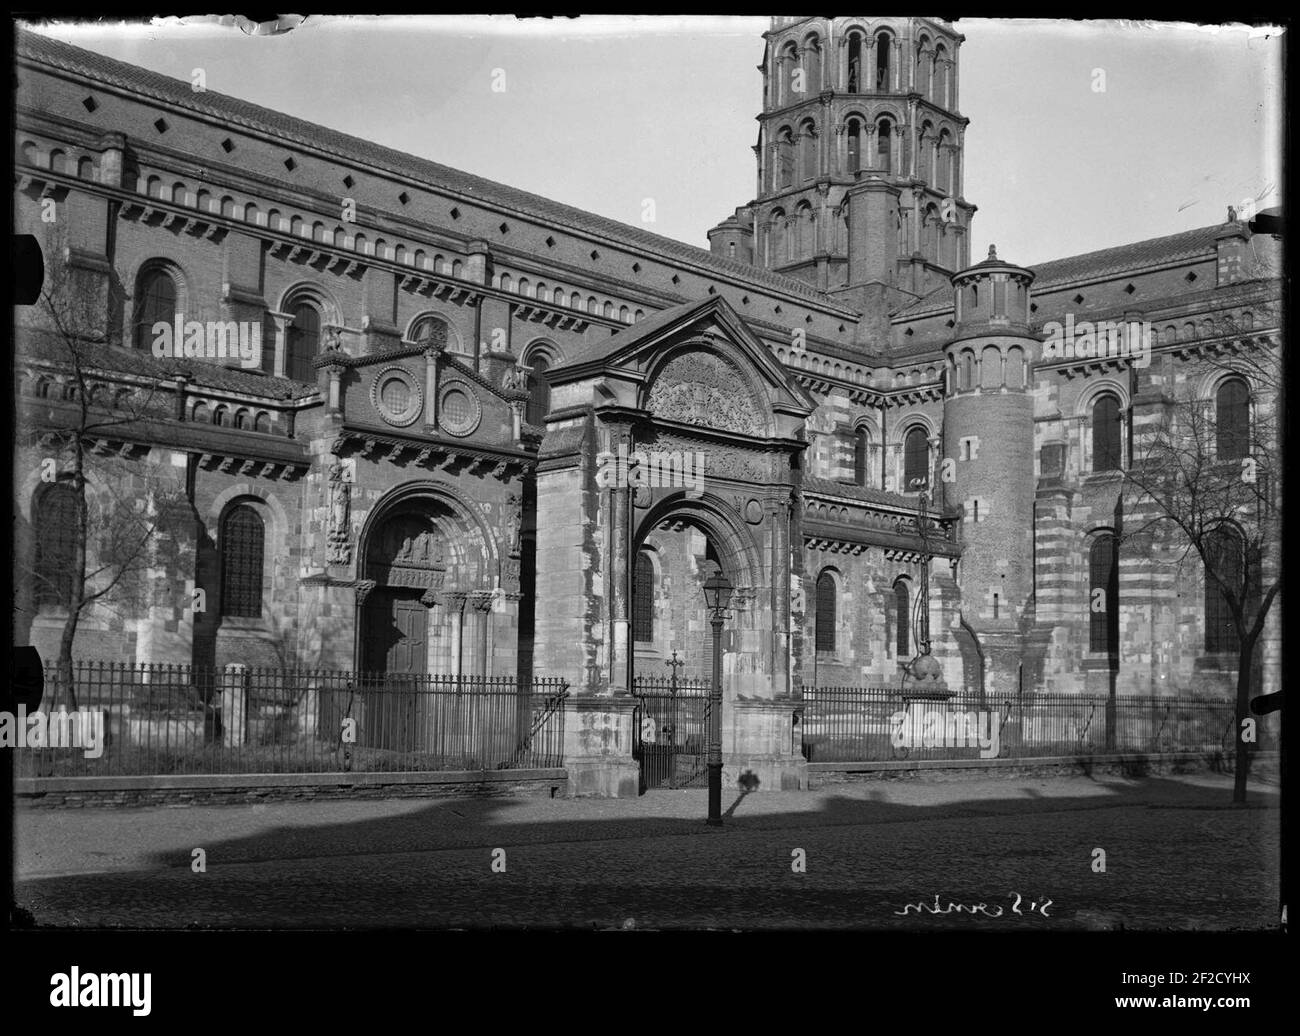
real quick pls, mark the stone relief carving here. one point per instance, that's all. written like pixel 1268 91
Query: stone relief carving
pixel 339 536
pixel 704 389
pixel 363 589
pixel 722 461
pixel 514 519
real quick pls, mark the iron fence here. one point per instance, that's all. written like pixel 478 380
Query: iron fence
pixel 670 731
pixel 873 724
pixel 179 719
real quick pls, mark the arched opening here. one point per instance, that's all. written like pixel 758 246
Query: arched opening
pixel 1224 560
pixel 1106 428
pixel 1103 595
pixel 156 302
pixel 916 461
pixel 855 63
pixel 677 547
pixel 808 146
pixel 854 145
pixel 302 342
pixel 785 157
pixel 1232 420
pixel 643 600
pixel 902 620
pixel 861 447
pixel 884 146
pixel 243 556
pixel 54 520
pixel 539 391
pixel 883 47
pixel 824 613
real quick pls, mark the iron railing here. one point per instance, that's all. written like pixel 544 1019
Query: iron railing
pixel 181 719
pixel 872 724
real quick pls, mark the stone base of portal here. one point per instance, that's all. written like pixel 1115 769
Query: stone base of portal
pixel 761 750
pixel 598 748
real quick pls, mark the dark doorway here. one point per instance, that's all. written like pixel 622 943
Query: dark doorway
pixel 394 658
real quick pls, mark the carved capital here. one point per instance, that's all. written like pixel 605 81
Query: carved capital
pixel 362 590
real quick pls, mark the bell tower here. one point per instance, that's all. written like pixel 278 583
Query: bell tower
pixel 859 159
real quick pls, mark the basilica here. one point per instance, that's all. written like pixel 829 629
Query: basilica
pixel 479 432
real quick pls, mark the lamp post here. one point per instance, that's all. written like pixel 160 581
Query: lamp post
pixel 717 595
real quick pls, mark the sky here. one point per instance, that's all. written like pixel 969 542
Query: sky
pixel 606 112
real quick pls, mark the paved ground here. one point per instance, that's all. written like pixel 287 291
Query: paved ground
pixel 1178 856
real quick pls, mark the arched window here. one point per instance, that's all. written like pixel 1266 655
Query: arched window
pixel 243 543
pixel 1106 434
pixel 902 619
pixel 303 342
pixel 778 237
pixel 539 392
pixel 54 518
pixel 643 607
pixel 825 612
pixel 855 62
pixel 855 151
pixel 812 66
pixel 808 143
pixel 1232 420
pixel 1103 596
pixel 883 47
pixel 156 301
pixel 1223 550
pixel 431 330
pixel 860 457
pixel 916 460
pixel 884 145
pixel 944 174
pixel 785 157
pixel 941 75
pixel 921 74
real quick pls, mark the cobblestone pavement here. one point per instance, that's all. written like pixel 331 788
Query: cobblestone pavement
pixel 1177 856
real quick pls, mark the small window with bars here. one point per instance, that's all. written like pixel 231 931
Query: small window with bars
pixel 1103 594
pixel 1224 558
pixel 825 628
pixel 55 521
pixel 902 619
pixel 643 601
pixel 243 542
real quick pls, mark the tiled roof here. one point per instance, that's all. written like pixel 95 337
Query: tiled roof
pixel 236 112
pixel 46 345
pixel 829 487
pixel 1131 258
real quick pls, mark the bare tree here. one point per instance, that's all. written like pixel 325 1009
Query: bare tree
pixel 98 546
pixel 1206 475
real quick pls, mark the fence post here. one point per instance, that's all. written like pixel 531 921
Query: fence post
pixel 308 707
pixel 234 701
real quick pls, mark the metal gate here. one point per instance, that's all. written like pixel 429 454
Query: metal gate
pixel 670 732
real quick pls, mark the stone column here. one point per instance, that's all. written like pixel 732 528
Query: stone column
pixel 778 517
pixel 619 627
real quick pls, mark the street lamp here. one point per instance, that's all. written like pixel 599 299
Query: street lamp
pixel 717 595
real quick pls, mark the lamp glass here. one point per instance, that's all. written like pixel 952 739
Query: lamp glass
pixel 717 592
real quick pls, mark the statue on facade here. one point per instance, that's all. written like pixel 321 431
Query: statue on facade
pixel 340 505
pixel 514 520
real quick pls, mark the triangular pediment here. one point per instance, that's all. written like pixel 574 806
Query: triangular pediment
pixel 698 364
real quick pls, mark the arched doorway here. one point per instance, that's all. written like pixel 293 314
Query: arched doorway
pixel 423 630
pixel 678 545
pixel 427 561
